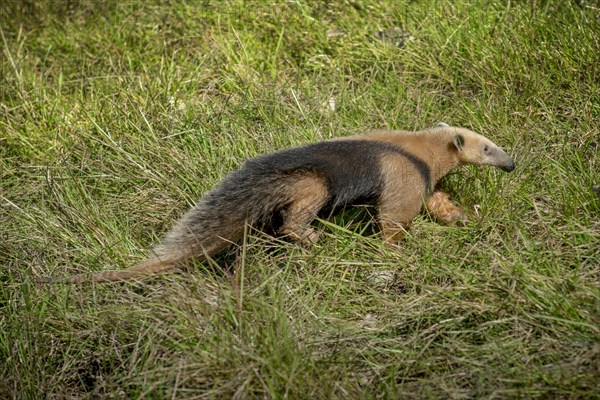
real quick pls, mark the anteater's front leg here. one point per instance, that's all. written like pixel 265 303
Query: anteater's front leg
pixel 396 213
pixel 401 199
pixel 441 208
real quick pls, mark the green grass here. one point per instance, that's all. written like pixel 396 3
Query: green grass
pixel 115 117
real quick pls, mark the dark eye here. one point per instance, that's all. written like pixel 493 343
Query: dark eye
pixel 486 149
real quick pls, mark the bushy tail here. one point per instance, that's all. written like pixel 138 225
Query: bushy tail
pixel 247 196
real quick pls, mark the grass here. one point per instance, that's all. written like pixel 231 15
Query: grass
pixel 116 116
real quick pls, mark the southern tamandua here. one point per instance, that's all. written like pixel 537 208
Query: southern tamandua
pixel 283 192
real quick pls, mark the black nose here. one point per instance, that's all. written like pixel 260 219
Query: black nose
pixel 508 167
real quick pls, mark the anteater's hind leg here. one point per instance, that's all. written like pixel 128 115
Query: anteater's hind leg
pixel 308 195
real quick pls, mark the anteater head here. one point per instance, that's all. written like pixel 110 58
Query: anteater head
pixel 472 148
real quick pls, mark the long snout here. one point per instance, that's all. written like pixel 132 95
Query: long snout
pixel 501 160
pixel 508 167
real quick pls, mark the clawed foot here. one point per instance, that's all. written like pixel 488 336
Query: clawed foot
pixel 441 208
pixel 305 235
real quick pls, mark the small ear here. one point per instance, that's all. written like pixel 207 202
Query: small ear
pixel 441 125
pixel 459 141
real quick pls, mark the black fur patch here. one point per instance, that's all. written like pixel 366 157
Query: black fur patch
pixel 351 168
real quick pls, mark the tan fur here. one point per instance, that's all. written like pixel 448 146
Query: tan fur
pixel 432 146
pixel 437 149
